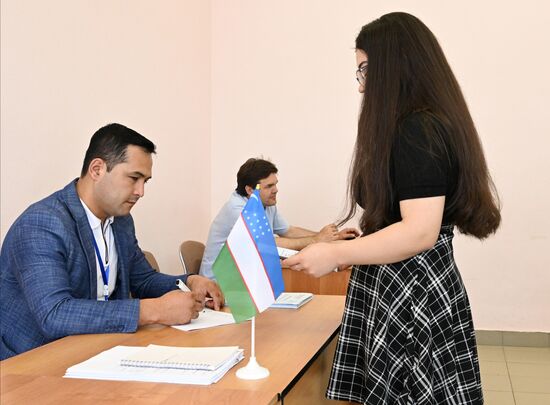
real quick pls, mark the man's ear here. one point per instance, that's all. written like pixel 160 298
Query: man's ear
pixel 249 190
pixel 96 168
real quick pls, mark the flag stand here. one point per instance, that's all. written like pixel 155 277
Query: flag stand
pixel 252 371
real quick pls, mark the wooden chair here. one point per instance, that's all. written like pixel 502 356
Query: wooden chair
pixel 152 261
pixel 191 252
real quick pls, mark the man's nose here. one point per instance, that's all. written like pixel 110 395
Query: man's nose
pixel 140 189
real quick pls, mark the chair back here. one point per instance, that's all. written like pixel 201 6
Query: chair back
pixel 152 261
pixel 191 252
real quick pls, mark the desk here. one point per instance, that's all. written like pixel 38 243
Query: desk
pixel 334 283
pixel 295 345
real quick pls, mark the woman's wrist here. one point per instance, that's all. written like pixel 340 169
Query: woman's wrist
pixel 338 253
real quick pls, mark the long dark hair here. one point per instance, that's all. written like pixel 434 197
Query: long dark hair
pixel 408 72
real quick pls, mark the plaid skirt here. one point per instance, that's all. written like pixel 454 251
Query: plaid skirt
pixel 407 335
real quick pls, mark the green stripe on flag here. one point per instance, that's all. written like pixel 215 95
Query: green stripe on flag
pixel 230 281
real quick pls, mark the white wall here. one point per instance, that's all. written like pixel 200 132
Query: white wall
pixel 69 67
pixel 215 82
pixel 283 80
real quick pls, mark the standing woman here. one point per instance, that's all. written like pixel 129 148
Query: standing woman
pixel 418 172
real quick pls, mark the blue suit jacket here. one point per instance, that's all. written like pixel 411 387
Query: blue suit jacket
pixel 48 276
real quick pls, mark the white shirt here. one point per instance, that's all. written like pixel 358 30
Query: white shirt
pixel 109 257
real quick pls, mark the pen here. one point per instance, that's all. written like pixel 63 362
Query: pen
pixel 182 286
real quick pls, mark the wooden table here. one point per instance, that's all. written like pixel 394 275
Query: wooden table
pixel 295 345
pixel 334 283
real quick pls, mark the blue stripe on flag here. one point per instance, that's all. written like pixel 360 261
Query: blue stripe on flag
pixel 256 221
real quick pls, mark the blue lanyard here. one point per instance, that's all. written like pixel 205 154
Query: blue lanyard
pixel 104 271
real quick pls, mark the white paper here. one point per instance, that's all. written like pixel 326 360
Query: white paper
pixel 208 318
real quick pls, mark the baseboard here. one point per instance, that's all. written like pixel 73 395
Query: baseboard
pixel 503 338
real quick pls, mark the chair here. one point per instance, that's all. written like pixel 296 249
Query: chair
pixel 152 261
pixel 191 253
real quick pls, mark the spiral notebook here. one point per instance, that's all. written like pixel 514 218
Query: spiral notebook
pixel 107 366
pixel 184 358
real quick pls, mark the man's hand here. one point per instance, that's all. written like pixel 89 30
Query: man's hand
pixel 348 233
pixel 208 289
pixel 327 234
pixel 330 233
pixel 173 308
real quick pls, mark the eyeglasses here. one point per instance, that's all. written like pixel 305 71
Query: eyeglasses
pixel 361 73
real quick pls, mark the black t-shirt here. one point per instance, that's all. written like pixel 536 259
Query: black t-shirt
pixel 422 164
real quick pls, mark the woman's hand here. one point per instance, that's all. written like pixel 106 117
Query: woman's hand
pixel 317 260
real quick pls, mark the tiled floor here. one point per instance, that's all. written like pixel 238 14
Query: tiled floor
pixel 515 375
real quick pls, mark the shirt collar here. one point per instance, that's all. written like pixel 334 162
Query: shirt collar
pixel 94 221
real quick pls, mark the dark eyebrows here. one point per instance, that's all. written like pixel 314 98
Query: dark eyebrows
pixel 140 174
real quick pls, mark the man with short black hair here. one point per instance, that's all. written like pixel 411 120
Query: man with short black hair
pixel 71 260
pixel 263 173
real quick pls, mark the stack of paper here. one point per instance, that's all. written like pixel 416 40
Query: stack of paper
pixel 292 300
pixel 180 365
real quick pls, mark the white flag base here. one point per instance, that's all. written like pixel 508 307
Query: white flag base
pixel 252 371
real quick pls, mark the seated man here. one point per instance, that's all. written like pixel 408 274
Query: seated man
pixel 70 261
pixel 264 173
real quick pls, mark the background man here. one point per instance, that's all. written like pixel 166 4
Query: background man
pixel 262 172
pixel 71 260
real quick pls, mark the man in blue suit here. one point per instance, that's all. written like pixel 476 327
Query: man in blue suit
pixel 71 260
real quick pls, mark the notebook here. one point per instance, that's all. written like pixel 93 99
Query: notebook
pixel 292 300
pixel 107 366
pixel 186 358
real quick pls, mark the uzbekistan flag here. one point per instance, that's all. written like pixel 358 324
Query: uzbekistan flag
pixel 248 269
